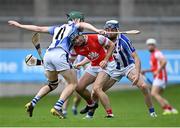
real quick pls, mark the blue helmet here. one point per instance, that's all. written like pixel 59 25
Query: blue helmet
pixel 74 33
pixel 111 24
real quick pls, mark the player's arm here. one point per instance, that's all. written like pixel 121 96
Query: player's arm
pixel 90 27
pixel 132 50
pixel 146 70
pixel 29 27
pixel 162 62
pixel 137 62
pixel 109 45
pixel 110 48
pixel 82 63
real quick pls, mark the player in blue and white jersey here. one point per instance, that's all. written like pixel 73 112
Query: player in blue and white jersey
pixel 128 64
pixel 56 58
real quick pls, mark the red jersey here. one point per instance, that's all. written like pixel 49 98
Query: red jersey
pixel 93 49
pixel 155 64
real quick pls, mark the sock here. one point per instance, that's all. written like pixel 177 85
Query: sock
pixel 90 113
pixel 109 111
pixel 151 110
pixel 74 107
pixel 167 107
pixel 35 100
pixel 64 112
pixel 59 104
pixel 90 103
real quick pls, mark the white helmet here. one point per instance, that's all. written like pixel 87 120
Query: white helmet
pixel 151 41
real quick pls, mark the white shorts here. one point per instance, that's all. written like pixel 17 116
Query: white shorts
pixel 56 60
pixel 94 70
pixel 119 73
pixel 159 83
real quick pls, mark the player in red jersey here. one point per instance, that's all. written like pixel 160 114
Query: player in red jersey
pixel 101 68
pixel 158 68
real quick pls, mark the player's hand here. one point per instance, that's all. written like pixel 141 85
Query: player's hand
pixel 13 23
pixel 103 64
pixel 135 79
pixel 102 32
pixel 77 66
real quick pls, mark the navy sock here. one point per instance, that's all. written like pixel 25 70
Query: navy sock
pixel 151 110
pixel 59 104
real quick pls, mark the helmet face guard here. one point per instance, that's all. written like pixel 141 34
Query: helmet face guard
pixel 74 34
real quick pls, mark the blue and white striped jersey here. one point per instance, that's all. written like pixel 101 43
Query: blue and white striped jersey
pixel 61 36
pixel 123 51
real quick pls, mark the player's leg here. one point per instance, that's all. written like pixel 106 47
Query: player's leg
pixel 42 92
pixel 109 84
pixel 68 90
pixel 157 92
pixel 46 89
pixel 64 108
pixel 58 61
pixel 76 102
pixel 106 87
pixel 81 89
pixel 77 97
pixel 100 81
pixel 144 89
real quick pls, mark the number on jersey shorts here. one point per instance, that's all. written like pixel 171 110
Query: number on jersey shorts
pixel 119 73
pixel 56 60
pixel 159 83
pixel 94 70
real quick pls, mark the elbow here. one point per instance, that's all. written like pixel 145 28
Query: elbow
pixel 39 29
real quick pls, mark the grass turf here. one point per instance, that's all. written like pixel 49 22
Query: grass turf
pixel 128 107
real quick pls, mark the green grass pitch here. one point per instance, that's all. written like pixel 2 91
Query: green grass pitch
pixel 128 107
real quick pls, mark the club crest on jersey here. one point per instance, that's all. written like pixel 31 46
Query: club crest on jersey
pixel 93 55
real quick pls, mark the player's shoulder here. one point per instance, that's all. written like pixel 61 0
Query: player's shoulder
pixel 124 37
pixel 158 53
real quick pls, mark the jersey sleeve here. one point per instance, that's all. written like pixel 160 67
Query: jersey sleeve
pixel 103 40
pixel 159 55
pixel 51 30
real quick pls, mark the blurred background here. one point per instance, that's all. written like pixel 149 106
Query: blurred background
pixel 159 19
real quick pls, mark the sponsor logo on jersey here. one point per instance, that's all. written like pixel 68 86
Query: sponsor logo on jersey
pixel 93 55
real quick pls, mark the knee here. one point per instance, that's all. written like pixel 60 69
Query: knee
pixel 97 89
pixel 144 86
pixel 154 94
pixel 79 88
pixel 73 86
pixel 53 84
pixel 145 89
